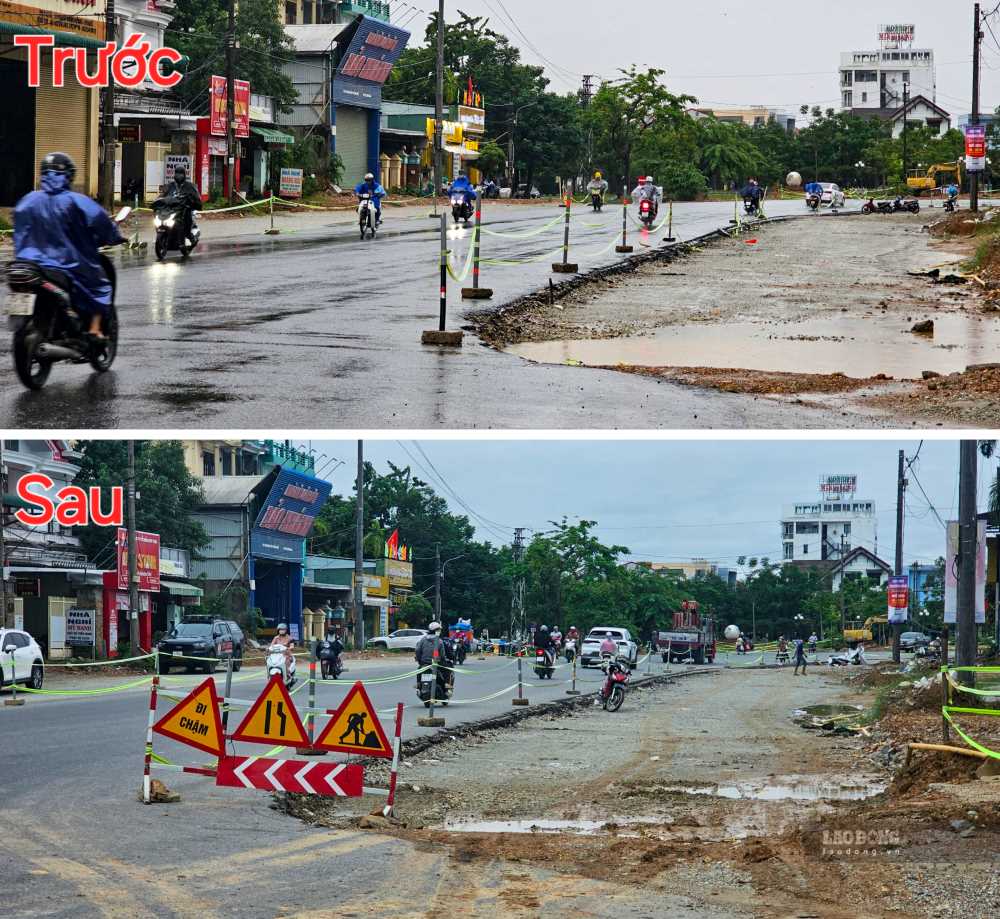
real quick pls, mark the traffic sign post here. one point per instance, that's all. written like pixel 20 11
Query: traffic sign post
pixel 476 292
pixel 566 266
pixel 520 700
pixel 624 248
pixel 293 775
pixel 355 727
pixel 272 719
pixel 573 691
pixel 430 721
pixel 394 769
pixel 312 749
pixel 195 720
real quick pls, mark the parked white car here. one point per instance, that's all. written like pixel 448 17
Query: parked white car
pixel 590 652
pixel 400 640
pixel 832 195
pixel 20 655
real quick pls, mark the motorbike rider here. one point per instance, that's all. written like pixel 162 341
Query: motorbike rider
pixel 542 639
pixel 572 637
pixel 284 638
pixel 647 191
pixel 952 193
pixel 369 186
pixel 753 192
pixel 556 639
pixel 464 186
pixel 598 185
pixel 812 643
pixel 608 646
pixel 184 191
pixel 425 651
pixel 335 647
pixel 62 229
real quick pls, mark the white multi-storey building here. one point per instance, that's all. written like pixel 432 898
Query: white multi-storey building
pixel 874 82
pixel 829 526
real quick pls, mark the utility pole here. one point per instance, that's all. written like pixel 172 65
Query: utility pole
pixel 439 108
pixel 231 100
pixel 4 623
pixel 897 627
pixel 965 620
pixel 133 576
pixel 108 120
pixel 437 581
pixel 977 39
pixel 359 554
pixel 906 102
pixel 843 611
pixel 996 596
pixel 517 594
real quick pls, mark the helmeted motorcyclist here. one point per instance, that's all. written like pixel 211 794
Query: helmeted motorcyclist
pixel 369 186
pixel 609 645
pixel 284 638
pixel 543 639
pixel 62 229
pixel 425 651
pixel 333 649
pixel 183 190
pixel 598 185
pixel 647 190
pixel 463 185
pixel 753 192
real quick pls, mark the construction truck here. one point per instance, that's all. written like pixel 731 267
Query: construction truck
pixel 691 638
pixel 918 181
pixel 858 632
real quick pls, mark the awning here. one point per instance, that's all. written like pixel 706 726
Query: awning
pixel 463 152
pixel 15 501
pixel 67 39
pixel 179 589
pixel 271 136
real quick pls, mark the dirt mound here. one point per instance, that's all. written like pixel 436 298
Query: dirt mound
pixel 960 223
pixel 927 768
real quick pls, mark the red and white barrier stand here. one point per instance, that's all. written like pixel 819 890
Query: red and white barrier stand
pixel 394 769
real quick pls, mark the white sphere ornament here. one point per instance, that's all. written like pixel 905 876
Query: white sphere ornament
pixel 793 180
pixel 732 632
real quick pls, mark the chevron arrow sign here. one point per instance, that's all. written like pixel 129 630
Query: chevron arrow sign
pixel 310 778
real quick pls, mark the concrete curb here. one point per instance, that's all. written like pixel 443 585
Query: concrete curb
pixel 418 745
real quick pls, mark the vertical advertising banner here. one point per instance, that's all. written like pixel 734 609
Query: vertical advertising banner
pixel 951 573
pixel 147 560
pixel 975 147
pixel 899 598
pixel 217 107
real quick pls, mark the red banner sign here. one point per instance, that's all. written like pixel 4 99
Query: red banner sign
pixel 217 107
pixel 147 560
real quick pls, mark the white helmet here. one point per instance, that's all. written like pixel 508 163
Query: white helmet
pixel 434 627
pixel 649 180
pixel 282 626
pixel 369 177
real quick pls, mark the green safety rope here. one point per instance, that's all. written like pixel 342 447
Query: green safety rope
pixel 559 218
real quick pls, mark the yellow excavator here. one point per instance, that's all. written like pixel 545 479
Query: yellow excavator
pixel 858 632
pixel 918 181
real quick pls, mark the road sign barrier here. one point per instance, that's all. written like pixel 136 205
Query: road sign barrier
pixel 476 292
pixel 292 775
pixel 355 727
pixel 566 266
pixel 273 719
pixel 195 720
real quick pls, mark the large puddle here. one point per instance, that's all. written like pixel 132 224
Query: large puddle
pixel 790 788
pixel 855 346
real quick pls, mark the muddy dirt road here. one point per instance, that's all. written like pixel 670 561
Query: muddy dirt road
pixel 815 312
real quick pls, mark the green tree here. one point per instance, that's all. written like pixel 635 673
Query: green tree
pixel 550 140
pixel 416 611
pixel 727 155
pixel 622 112
pixel 198 31
pixel 492 159
pixel 168 494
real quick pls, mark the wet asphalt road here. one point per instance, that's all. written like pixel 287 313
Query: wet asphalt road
pixel 316 329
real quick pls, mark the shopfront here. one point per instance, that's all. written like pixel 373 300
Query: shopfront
pixel 34 122
pixel 470 113
pixel 117 609
pixel 369 49
pixel 288 504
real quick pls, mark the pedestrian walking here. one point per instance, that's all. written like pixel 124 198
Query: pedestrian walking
pixel 800 655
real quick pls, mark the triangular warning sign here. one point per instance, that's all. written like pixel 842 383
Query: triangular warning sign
pixel 195 720
pixel 355 728
pixel 273 718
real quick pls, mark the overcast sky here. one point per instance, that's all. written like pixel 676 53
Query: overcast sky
pixel 671 500
pixel 779 53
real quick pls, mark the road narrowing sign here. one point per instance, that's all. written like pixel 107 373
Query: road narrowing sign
pixel 355 728
pixel 312 778
pixel 273 718
pixel 195 720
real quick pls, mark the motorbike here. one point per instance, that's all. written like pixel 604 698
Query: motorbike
pixel 168 219
pixel 47 326
pixel 812 202
pixel 596 201
pixel 913 206
pixel 545 664
pixel 490 190
pixel 951 205
pixel 461 650
pixel 443 690
pixel 855 657
pixel 868 207
pixel 615 681
pixel 569 652
pixel 276 663
pixel 366 215
pixel 781 657
pixel 884 207
pixel 647 212
pixel 330 663
pixel 751 207
pixel 461 207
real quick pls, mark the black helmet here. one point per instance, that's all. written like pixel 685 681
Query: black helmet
pixel 180 173
pixel 59 162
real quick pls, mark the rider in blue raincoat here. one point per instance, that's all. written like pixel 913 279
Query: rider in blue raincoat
pixel 463 185
pixel 59 228
pixel 370 187
pixel 813 188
